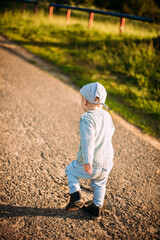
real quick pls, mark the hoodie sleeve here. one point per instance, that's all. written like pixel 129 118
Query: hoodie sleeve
pixel 87 134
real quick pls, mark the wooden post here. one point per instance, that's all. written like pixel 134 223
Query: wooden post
pixel 122 23
pixel 91 17
pixel 50 11
pixel 24 7
pixel 35 8
pixel 68 15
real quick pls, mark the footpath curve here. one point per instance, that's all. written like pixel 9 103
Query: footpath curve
pixel 39 117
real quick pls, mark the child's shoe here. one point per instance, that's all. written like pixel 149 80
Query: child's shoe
pixel 92 210
pixel 75 202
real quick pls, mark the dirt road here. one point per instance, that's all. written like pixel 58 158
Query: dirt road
pixel 39 117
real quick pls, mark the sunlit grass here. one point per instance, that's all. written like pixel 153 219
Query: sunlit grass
pixel 138 29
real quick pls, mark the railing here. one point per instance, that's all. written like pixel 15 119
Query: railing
pixel 91 12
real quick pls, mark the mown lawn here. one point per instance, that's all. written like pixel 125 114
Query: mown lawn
pixel 128 64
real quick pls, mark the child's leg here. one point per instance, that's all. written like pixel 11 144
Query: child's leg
pixel 73 181
pixel 99 189
pixel 75 171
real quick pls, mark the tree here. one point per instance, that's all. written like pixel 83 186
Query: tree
pixel 74 2
pixel 136 7
pixel 109 4
pixel 101 4
pixel 157 3
pixel 146 8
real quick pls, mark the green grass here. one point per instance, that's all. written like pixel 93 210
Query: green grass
pixel 126 64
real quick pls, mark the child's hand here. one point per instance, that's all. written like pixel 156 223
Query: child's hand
pixel 88 168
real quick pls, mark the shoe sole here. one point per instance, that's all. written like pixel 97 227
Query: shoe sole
pixel 75 206
pixel 90 215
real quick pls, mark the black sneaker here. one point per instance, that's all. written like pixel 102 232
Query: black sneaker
pixel 75 202
pixel 92 210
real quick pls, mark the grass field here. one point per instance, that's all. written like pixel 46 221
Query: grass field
pixel 128 64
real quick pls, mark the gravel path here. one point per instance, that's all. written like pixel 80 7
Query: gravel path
pixel 39 117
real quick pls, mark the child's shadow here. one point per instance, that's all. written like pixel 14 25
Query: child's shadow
pixel 7 211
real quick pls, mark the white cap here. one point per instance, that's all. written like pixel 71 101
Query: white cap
pixel 93 90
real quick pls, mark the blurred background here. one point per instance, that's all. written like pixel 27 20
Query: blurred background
pixel 127 64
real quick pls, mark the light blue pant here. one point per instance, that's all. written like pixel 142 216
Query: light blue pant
pixel 99 177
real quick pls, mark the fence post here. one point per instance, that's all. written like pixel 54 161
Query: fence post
pixel 35 8
pixel 91 17
pixel 122 23
pixel 50 11
pixel 68 15
pixel 24 7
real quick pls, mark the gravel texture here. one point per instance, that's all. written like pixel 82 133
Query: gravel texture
pixel 39 136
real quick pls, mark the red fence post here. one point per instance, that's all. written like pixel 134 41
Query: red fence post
pixel 50 11
pixel 35 8
pixel 68 15
pixel 91 17
pixel 24 7
pixel 122 23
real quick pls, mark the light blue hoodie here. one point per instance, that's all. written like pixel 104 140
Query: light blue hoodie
pixel 96 131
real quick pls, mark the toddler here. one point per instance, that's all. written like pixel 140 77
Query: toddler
pixel 95 157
